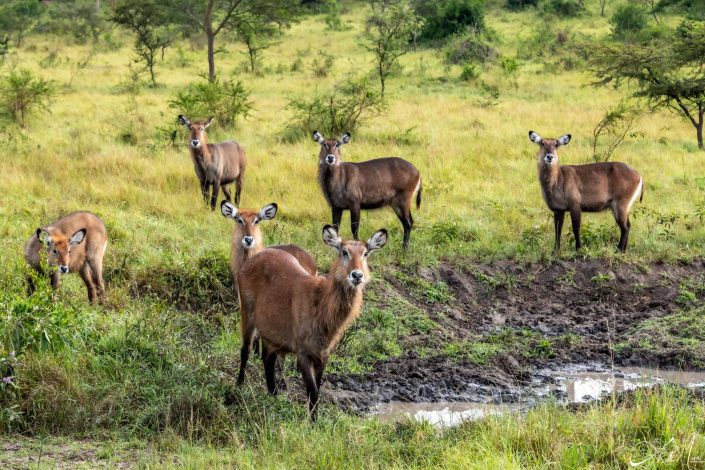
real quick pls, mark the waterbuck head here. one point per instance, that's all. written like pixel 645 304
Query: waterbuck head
pixel 548 148
pixel 197 136
pixel 247 232
pixel 330 148
pixel 59 246
pixel 350 269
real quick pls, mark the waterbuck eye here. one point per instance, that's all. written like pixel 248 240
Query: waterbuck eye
pixel 346 255
pixel 55 252
pixel 240 221
pixel 366 253
pixel 257 221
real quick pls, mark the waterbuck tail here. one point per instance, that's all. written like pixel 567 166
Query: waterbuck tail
pixel 418 196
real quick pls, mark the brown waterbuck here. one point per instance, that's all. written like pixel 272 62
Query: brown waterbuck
pixel 247 238
pixel 366 185
pixel 217 165
pixel 594 187
pixel 75 243
pixel 300 313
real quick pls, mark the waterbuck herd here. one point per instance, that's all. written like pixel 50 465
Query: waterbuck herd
pixel 283 299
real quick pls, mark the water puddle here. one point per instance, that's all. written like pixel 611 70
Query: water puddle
pixel 439 414
pixel 575 384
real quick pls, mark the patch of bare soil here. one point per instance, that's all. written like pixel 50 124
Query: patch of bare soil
pixel 584 307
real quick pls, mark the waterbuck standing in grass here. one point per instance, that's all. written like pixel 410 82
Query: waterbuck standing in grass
pixel 217 165
pixel 594 187
pixel 366 185
pixel 75 243
pixel 300 313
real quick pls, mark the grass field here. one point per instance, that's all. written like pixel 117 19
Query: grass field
pixel 143 379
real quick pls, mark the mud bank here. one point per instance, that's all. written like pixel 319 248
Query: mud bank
pixel 580 312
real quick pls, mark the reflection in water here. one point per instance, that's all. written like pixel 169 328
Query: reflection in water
pixel 579 387
pixel 438 414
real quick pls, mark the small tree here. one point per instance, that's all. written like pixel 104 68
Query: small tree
pixel 669 73
pixel 17 17
pixel 148 19
pixel 22 93
pixel 256 39
pixel 614 127
pixel 215 16
pixel 628 20
pixel 4 48
pixel 390 29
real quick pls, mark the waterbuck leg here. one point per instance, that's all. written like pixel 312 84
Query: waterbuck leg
pixel 31 285
pixel 97 271
pixel 337 215
pixel 558 218
pixel 214 196
pixel 306 367
pixel 87 277
pixel 408 222
pixel 355 221
pixel 204 190
pixel 319 373
pixel 226 192
pixel 270 361
pixel 624 227
pixel 575 221
pixel 247 333
pixel 238 189
pixel 55 280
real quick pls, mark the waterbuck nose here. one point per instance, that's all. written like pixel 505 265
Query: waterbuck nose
pixel 549 157
pixel 63 269
pixel 248 240
pixel 195 142
pixel 356 276
pixel 330 159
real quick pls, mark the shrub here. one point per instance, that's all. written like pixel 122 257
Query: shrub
pixel 322 64
pixel 629 19
pixel 469 47
pixel 227 100
pixel 520 4
pixel 21 93
pixel 469 73
pixel 449 17
pixel 343 109
pixel 564 8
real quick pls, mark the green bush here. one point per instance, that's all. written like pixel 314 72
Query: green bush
pixel 521 4
pixel 469 47
pixel 446 18
pixel 628 20
pixel 343 109
pixel 227 100
pixel 21 93
pixel 564 8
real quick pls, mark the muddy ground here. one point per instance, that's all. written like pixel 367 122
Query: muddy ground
pixel 591 311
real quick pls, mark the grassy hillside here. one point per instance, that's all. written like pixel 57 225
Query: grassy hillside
pixel 148 379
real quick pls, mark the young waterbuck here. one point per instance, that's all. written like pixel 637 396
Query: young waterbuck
pixel 300 313
pixel 594 187
pixel 217 165
pixel 75 243
pixel 366 185
pixel 247 238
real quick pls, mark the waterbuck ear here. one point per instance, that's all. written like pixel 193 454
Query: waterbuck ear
pixel 318 137
pixel 564 140
pixel 377 241
pixel 228 210
pixel 184 121
pixel 331 237
pixel 268 212
pixel 208 122
pixel 78 237
pixel 344 139
pixel 43 236
pixel 534 137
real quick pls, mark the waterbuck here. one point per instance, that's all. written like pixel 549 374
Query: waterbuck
pixel 366 185
pixel 247 238
pixel 300 313
pixel 217 165
pixel 594 187
pixel 75 243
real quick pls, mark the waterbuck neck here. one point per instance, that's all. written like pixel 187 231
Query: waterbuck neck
pixel 202 153
pixel 337 308
pixel 548 174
